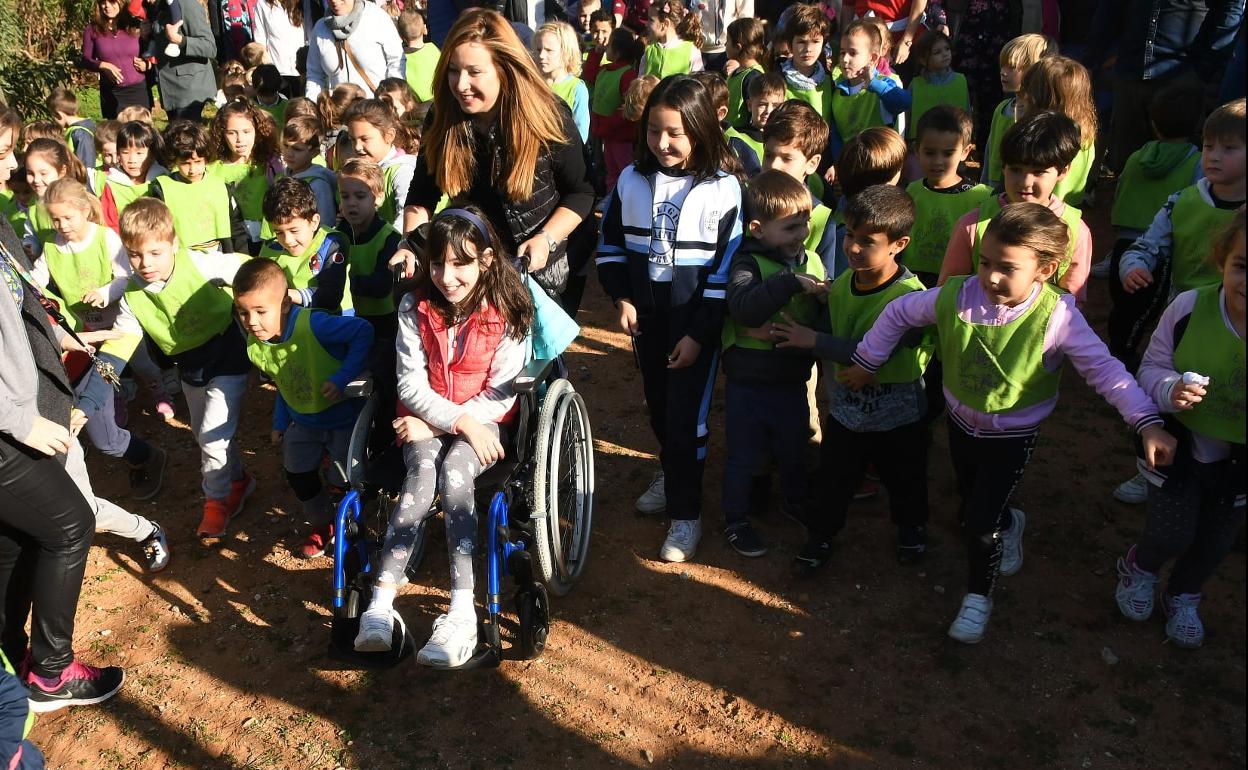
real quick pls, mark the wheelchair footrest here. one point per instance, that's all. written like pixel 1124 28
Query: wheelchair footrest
pixel 342 633
pixel 520 567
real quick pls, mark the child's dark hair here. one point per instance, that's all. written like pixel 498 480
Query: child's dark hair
pixel 602 16
pixel 804 19
pixel 1224 240
pixel 1226 123
pixel 106 132
pixel 687 96
pixel 924 45
pixel 499 283
pixel 266 146
pixel 289 198
pixel 765 84
pixel 1034 227
pixel 184 138
pixel 302 130
pixel 625 46
pixel 266 79
pixel 301 107
pixel 381 115
pixel 716 86
pixel 749 35
pixel 881 208
pixel 875 156
pixel 42 129
pixel 62 100
pixel 1176 108
pixel 1043 140
pixel 946 119
pixel 774 195
pixel 136 134
pixel 256 274
pixel 797 123
pixel 688 23
pixel 399 87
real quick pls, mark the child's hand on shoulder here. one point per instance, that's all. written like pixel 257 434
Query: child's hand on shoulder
pixel 685 353
pixel 812 285
pixel 790 334
pixel 1136 279
pixel 95 298
pixel 855 377
pixel 1159 446
pixel 330 391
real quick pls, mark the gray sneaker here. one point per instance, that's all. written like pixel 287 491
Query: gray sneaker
pixel 682 540
pixel 972 620
pixel 1012 544
pixel 654 500
pixel 1133 491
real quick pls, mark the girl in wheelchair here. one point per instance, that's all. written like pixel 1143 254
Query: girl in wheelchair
pixel 461 342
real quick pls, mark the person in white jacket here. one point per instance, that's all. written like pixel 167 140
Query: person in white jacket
pixel 278 25
pixel 357 43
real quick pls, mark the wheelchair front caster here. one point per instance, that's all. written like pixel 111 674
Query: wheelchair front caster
pixel 533 612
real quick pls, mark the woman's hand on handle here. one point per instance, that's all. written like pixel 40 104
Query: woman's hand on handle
pixel 47 437
pixel 537 250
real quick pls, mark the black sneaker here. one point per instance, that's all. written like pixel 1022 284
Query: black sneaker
pixel 745 541
pixel 78 685
pixel 911 544
pixel 813 556
pixel 156 549
pixel 146 479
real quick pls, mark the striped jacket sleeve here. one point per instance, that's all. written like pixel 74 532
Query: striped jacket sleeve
pixel 708 318
pixel 612 259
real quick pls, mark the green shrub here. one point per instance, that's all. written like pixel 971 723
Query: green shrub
pixel 40 46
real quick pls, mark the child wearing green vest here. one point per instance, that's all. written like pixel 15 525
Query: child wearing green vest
pixel 558 57
pixel 420 58
pixel 1036 154
pixel 601 28
pixel 1003 335
pixel 1151 175
pixel 875 156
pixel 1194 370
pixel 178 298
pixel 772 278
pixel 936 84
pixel 301 152
pixel 881 424
pixel 244 155
pixel 675 37
pixel 607 122
pixel 312 257
pixel 266 82
pixel 378 136
pixel 370 243
pixel 1061 84
pixel 746 45
pixel 46 161
pixel 106 156
pixel 943 195
pixel 764 96
pixel 205 216
pixel 79 131
pixel 862 97
pixel 311 356
pixel 794 138
pixel 138 152
pixel 1016 56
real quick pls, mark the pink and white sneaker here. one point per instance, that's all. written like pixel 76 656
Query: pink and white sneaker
pixel 164 406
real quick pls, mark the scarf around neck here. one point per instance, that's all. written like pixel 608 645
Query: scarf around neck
pixel 343 26
pixel 799 81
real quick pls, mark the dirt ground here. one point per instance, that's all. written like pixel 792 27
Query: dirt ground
pixel 723 662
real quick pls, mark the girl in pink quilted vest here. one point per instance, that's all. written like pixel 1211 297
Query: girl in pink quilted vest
pixel 461 342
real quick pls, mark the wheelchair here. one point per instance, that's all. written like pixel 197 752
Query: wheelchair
pixel 540 501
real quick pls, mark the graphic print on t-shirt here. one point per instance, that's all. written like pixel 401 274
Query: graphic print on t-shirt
pixel 663 233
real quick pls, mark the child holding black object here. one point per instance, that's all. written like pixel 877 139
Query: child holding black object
pixel 772 278
pixel 311 355
pixel 881 424
pixel 312 256
pixel 1003 336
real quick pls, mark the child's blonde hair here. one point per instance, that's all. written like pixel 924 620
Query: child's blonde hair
pixel 569 44
pixel 1063 85
pixel 42 129
pixel 253 55
pixel 366 171
pixel 74 193
pixel 143 220
pixel 1033 227
pixel 1226 122
pixel 1025 50
pixel 1224 240
pixel 136 113
pixel 636 96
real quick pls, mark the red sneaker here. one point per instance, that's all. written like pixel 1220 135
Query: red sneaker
pixel 216 516
pixel 318 542
pixel 239 492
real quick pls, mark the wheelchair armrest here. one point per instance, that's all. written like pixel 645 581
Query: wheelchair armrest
pixel 360 387
pixel 533 374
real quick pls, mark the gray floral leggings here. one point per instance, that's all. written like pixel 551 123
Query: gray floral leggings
pixel 445 465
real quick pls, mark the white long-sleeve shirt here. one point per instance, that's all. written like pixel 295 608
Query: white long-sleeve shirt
pixel 273 30
pixel 375 44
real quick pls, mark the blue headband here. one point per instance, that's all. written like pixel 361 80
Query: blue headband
pixel 472 218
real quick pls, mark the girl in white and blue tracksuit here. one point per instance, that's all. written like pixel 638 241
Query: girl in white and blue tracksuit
pixel 669 232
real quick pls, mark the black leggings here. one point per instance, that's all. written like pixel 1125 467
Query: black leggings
pixel 1133 316
pixel 45 533
pixel 987 471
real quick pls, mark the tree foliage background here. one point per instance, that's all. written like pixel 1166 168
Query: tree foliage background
pixel 40 46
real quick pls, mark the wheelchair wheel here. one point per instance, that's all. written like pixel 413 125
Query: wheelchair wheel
pixel 533 613
pixel 563 487
pixel 358 447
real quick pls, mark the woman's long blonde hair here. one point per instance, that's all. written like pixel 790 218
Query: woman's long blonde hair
pixel 529 119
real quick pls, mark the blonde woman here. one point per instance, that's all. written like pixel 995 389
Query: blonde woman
pixel 502 140
pixel 558 56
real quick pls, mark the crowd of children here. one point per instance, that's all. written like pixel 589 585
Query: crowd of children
pixel 805 216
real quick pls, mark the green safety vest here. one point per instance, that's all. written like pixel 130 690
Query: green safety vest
pixel 1194 224
pixel 97 180
pixel 362 259
pixel 936 214
pixel 90 137
pixel 277 111
pixel 854 113
pixel 852 316
pixel 390 205
pixel 77 274
pixel 1139 197
pixel 1001 123
pixel 1208 347
pixel 41 222
pixel 124 193
pixel 30 715
pixel 819 98
pixel 249 186
pixel 989 208
pixel 995 369
pixel 802 307
pixel 606 99
pixel 1069 189
pixel 186 313
pixel 299 365
pixel 13 211
pixel 819 217
pixel 566 89
pixel 201 211
pixel 298 268
pixel 662 62
pixel 926 96
pixel 736 84
pixel 754 144
pixel 418 70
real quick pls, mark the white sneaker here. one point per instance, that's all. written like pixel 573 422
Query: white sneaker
pixel 1183 626
pixel 1136 588
pixel 1133 491
pixel 376 631
pixel 972 620
pixel 1100 269
pixel 452 643
pixel 654 500
pixel 682 540
pixel 1012 544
